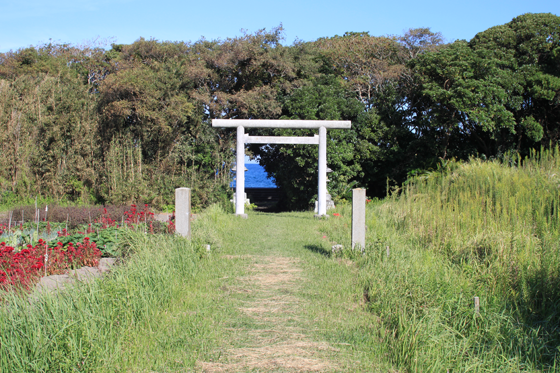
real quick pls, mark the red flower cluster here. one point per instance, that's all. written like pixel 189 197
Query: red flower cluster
pixel 105 220
pixel 336 214
pixel 171 224
pixel 25 267
pixel 63 233
pixel 21 268
pixel 81 254
pixel 135 216
pixel 3 228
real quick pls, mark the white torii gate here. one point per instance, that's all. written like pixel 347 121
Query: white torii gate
pixel 243 138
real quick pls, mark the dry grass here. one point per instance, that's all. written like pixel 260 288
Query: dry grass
pixel 275 345
pixel 294 357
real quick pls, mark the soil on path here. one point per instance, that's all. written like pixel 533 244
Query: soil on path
pixel 274 338
pixel 284 304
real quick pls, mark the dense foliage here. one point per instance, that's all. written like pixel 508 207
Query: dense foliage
pixel 132 123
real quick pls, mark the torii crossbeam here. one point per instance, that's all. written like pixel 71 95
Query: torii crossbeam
pixel 243 138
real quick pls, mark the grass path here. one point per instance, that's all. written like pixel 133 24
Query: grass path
pixel 285 305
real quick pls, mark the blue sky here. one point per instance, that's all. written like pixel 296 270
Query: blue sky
pixel 32 22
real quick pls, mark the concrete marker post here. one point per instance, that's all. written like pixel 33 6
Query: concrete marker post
pixel 183 211
pixel 359 218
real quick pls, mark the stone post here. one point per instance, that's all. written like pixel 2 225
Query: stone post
pixel 183 211
pixel 322 195
pixel 359 218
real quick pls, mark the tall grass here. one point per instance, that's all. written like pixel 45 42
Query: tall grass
pixel 487 229
pixel 498 222
pixel 92 326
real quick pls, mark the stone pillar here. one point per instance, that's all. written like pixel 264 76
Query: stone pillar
pixel 322 195
pixel 359 218
pixel 183 211
pixel 240 173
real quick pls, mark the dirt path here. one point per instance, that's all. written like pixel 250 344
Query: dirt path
pixel 275 338
pixel 282 304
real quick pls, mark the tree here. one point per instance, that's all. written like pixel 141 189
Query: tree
pixel 367 63
pixel 531 43
pixel 149 104
pixel 294 167
pixel 497 92
pixel 48 122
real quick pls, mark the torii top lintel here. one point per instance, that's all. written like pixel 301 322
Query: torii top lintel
pixel 280 123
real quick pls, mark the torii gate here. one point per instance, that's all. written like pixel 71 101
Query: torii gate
pixel 243 138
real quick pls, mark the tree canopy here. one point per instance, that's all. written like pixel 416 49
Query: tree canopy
pixel 133 122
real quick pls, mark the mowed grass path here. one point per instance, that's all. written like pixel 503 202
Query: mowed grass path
pixel 295 309
pixel 290 307
pixel 268 298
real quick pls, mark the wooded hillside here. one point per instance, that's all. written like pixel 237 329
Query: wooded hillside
pixel 133 122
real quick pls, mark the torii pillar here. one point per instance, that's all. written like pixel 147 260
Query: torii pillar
pixel 243 139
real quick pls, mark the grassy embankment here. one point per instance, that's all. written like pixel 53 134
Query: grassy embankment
pixel 270 284
pixel 481 229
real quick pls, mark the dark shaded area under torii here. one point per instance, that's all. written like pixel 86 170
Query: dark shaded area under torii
pixel 266 199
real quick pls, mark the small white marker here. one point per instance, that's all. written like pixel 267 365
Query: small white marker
pixel 476 305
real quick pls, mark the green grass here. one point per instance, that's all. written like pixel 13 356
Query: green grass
pixel 329 303
pixel 89 328
pixel 171 304
pixel 10 200
pixel 484 229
